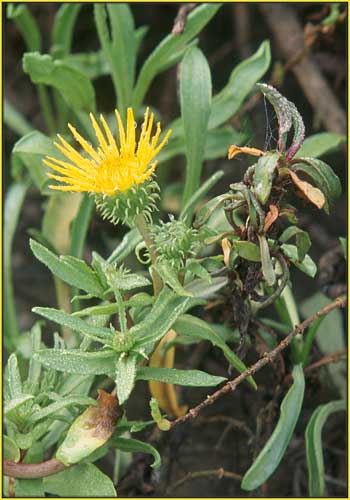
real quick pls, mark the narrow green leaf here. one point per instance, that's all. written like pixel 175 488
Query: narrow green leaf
pixel 344 245
pixel 263 176
pixel 15 120
pixel 307 266
pixel 75 88
pixel 125 376
pixel 129 242
pixel 170 277
pixel 247 250
pixel 77 361
pixel 303 241
pixel 198 195
pixel 55 407
pixel 14 404
pixel 10 450
pixel 69 269
pixel 195 97
pixel 195 327
pixel 81 480
pixel 165 311
pixel 14 377
pixel 313 444
pixel 12 208
pixel 31 150
pixel 80 225
pixel 136 446
pixel 271 455
pixel 266 262
pixel 27 25
pixel 63 29
pixel 191 378
pixel 100 334
pixel 242 80
pixel 319 144
pixel 163 54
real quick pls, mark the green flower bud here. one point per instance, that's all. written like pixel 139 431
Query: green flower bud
pixel 125 206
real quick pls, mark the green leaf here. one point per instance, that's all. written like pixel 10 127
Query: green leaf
pixel 24 441
pixel 190 378
pixel 288 117
pixel 207 210
pixel 263 175
pixel 313 444
pixel 63 29
pixel 99 334
pixel 271 455
pixel 81 480
pixel 15 120
pixel 319 144
pixel 123 51
pixel 216 145
pixel 27 25
pixel 10 450
pixel 247 250
pixel 344 245
pixel 169 277
pixel 266 262
pixel 92 64
pixel 80 224
pixel 12 405
pixel 307 265
pixel 14 377
pixel 303 241
pixel 55 407
pixel 165 311
pixel 171 49
pixel 69 269
pixel 13 205
pixel 327 342
pixel 29 488
pixel 202 290
pixel 322 175
pixel 136 446
pixel 242 80
pixel 77 361
pixel 195 97
pixel 125 376
pixel 195 327
pixel 74 86
pixel 129 242
pixel 199 193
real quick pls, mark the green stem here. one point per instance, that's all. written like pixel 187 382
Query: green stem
pixel 46 108
pixel 143 226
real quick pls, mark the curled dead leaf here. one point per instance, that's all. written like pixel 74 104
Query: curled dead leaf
pixel 309 191
pixel 226 248
pixel 270 218
pixel 236 150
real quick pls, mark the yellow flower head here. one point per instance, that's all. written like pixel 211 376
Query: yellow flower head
pixel 109 169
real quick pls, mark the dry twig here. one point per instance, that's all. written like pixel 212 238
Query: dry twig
pixel 219 473
pixel 180 20
pixel 268 357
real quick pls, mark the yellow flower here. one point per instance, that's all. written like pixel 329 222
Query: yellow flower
pixel 109 169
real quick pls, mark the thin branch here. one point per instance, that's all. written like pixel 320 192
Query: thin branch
pixel 268 357
pixel 331 358
pixel 180 20
pixel 219 473
pixel 31 471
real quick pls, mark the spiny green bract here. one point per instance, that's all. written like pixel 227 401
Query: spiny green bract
pixel 174 242
pixel 125 206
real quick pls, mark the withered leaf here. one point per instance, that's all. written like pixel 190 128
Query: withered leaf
pixel 309 191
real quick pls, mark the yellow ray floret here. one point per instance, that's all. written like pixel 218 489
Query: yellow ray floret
pixel 110 168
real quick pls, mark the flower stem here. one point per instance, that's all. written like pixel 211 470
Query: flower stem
pixel 143 226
